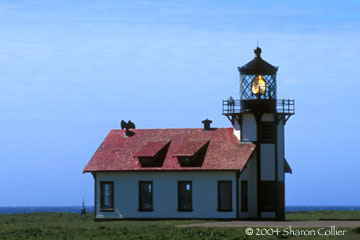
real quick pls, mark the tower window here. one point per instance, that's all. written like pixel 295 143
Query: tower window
pixel 244 196
pixel 145 196
pixel 267 132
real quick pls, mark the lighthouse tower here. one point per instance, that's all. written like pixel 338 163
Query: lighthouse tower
pixel 259 117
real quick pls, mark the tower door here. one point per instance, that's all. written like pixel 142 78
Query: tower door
pixel 281 201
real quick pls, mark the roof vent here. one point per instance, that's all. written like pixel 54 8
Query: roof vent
pixel 127 126
pixel 207 123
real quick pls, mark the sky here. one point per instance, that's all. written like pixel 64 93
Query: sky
pixel 72 70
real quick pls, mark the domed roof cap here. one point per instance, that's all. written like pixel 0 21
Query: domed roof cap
pixel 258 66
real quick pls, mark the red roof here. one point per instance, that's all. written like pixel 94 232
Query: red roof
pixel 118 153
pixel 150 149
pixel 190 147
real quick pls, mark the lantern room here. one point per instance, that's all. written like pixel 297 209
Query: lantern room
pixel 258 91
pixel 257 79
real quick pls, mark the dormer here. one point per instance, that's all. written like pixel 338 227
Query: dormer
pixel 152 153
pixel 192 152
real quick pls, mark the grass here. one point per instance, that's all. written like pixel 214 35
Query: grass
pixel 73 226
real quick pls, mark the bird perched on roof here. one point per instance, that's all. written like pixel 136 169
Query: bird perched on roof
pixel 127 126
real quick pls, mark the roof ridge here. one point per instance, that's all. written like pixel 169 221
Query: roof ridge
pixel 170 129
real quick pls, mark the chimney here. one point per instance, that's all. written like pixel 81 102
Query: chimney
pixel 207 123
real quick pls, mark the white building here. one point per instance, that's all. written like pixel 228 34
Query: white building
pixel 206 173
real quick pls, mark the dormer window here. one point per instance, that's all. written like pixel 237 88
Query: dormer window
pixel 152 154
pixel 192 152
pixel 186 159
pixel 146 160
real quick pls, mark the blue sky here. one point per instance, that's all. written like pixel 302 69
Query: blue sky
pixel 72 70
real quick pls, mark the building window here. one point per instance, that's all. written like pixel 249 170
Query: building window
pixel 184 196
pixel 146 196
pixel 146 160
pixel 225 196
pixel 267 196
pixel 106 196
pixel 244 196
pixel 267 132
pixel 185 159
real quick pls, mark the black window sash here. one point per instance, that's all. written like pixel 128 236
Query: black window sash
pixel 244 196
pixel 146 196
pixel 267 130
pixel 185 196
pixel 225 196
pixel 267 196
pixel 107 195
